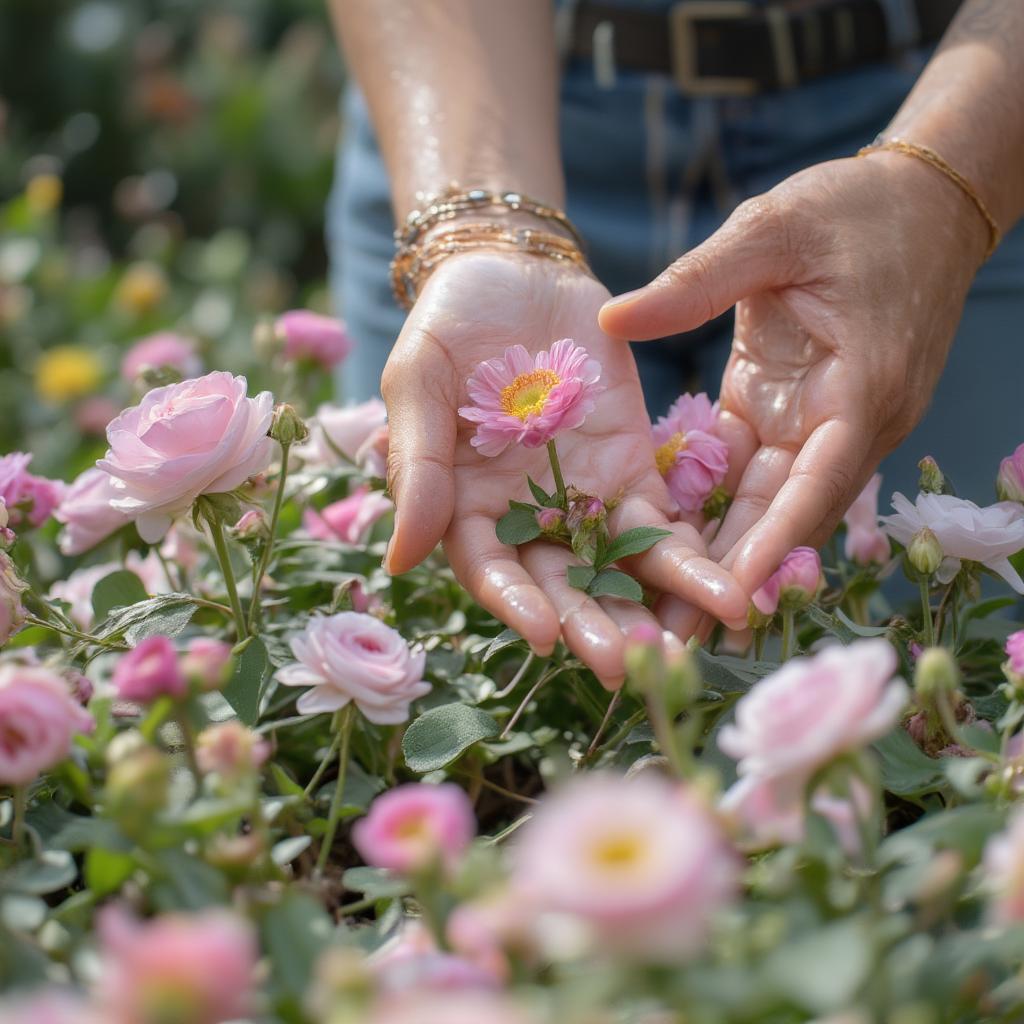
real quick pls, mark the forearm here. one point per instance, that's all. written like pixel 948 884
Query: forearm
pixel 458 90
pixel 968 104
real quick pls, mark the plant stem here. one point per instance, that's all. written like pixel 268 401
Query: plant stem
pixel 759 638
pixel 516 679
pixel 221 548
pixel 926 613
pixel 188 740
pixel 665 734
pixel 328 757
pixel 556 469
pixel 787 633
pixel 609 711
pixel 511 723
pixel 254 605
pixel 343 720
pixel 18 825
pixel 74 634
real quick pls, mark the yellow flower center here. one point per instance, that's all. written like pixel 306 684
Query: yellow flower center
pixel 619 852
pixel 413 829
pixel 665 456
pixel 527 394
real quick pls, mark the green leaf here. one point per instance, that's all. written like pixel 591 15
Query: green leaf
pixel 906 769
pixel 517 526
pixel 295 932
pixel 541 496
pixel 522 506
pixel 506 638
pixel 288 849
pixel 245 688
pixel 120 589
pixel 633 542
pixel 442 734
pixel 167 613
pixel 612 583
pixel 187 883
pixel 51 871
pixel 107 870
pixel 580 576
pixel 375 883
pixel 727 674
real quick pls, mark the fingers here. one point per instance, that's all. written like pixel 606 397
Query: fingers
pixel 420 395
pixel 749 253
pixel 676 564
pixel 494 576
pixel 742 440
pixel 683 619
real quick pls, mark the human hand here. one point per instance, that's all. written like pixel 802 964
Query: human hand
pixel 472 308
pixel 849 280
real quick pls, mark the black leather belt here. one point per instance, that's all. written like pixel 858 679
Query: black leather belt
pixel 739 48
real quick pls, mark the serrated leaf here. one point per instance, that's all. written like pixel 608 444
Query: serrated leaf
pixel 580 576
pixel 120 589
pixel 612 583
pixel 541 496
pixel 506 638
pixel 633 542
pixel 517 526
pixel 443 734
pixel 167 613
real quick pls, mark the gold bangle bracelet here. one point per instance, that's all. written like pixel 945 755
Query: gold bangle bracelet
pixel 929 156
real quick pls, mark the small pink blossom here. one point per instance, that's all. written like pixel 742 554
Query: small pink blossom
pixel 795 583
pixel 30 500
pixel 93 415
pixel 866 542
pixel 87 513
pixel 188 968
pixel 340 433
pixel 207 662
pixel 690 455
pixel 642 862
pixel 411 962
pixel 12 586
pixel 372 457
pixel 230 750
pixel 149 671
pixel 1015 652
pixel 550 520
pixel 1004 879
pixel 253 525
pixel 349 519
pixel 351 656
pixel 39 717
pixel 813 710
pixel 159 350
pixel 964 531
pixel 1010 481
pixel 527 399
pixel 310 336
pixel 414 826
pixel 490 927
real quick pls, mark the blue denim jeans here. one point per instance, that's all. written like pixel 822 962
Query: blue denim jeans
pixel 650 174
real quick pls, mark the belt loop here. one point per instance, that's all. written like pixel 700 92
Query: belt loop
pixel 604 54
pixel 902 24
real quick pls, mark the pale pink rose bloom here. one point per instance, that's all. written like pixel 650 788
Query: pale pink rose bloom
pixel 30 500
pixel 87 513
pixel 310 336
pixel 448 1007
pixel 12 586
pixel 341 429
pixel 642 862
pixel 207 662
pixel 797 580
pixel 181 547
pixel 149 671
pixel 372 457
pixel 252 526
pixel 987 535
pixel 362 599
pixel 49 1005
pixel 201 436
pixel 1004 878
pixel 159 350
pixel 527 399
pixel 93 415
pixel 414 826
pixel 1015 652
pixel 230 750
pixel 1010 480
pixel 866 542
pixel 411 962
pixel 39 717
pixel 7 537
pixel 351 656
pixel 690 455
pixel 350 519
pixel 487 928
pixel 77 589
pixel 199 966
pixel 814 710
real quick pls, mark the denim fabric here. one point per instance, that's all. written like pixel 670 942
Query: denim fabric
pixel 650 174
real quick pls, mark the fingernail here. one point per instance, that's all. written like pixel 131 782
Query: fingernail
pixel 386 564
pixel 620 300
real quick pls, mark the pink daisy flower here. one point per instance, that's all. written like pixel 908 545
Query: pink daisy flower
pixel 691 457
pixel 528 400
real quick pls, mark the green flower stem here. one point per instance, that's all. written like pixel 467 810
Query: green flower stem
pixel 188 740
pixel 221 548
pixel 18 825
pixel 332 750
pixel 787 633
pixel 74 634
pixel 759 639
pixel 254 605
pixel 926 613
pixel 667 739
pixel 556 469
pixel 343 721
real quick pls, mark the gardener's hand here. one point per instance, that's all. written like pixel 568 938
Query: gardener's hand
pixel 472 308
pixel 849 280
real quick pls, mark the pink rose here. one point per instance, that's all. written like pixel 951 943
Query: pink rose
pixel 1010 481
pixel 252 526
pixel 12 586
pixel 411 962
pixel 312 337
pixel 178 967
pixel 642 862
pixel 416 826
pixel 527 399
pixel 87 513
pixel 150 671
pixel 38 720
pixel 372 457
pixel 964 531
pixel 690 455
pixel 793 585
pixel 1015 652
pixel 7 537
pixel 77 589
pixel 207 662
pixel 198 437
pixel 230 750
pixel 866 543
pixel 350 519
pixel 1004 854
pixel 813 710
pixel 355 657
pixel 93 415
pixel 30 500
pixel 159 350
pixel 339 433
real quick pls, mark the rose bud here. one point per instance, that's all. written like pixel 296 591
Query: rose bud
pixel 252 528
pixel 935 672
pixel 150 671
pixel 207 663
pixel 1013 667
pixel 1010 481
pixel 287 426
pixel 792 586
pixel 137 787
pixel 932 480
pixel 12 611
pixel 551 520
pixel 925 552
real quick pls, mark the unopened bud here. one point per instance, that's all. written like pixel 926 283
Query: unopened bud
pixel 137 787
pixel 1013 667
pixel 252 528
pixel 792 586
pixel 585 511
pixel 551 520
pixel 645 656
pixel 935 673
pixel 1010 481
pixel 932 481
pixel 925 552
pixel 287 427
pixel 717 504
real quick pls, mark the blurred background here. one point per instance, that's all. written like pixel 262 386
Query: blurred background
pixel 164 165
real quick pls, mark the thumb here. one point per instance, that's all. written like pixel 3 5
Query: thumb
pixel 421 449
pixel 748 253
